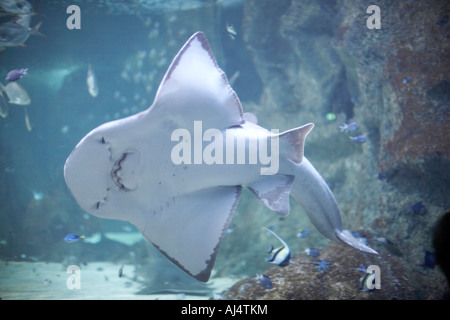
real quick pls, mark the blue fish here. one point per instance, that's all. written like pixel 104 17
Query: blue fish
pixel 359 139
pixel 72 237
pixel 303 234
pixel 381 176
pixel 430 260
pixel 418 208
pixel 349 127
pixel 16 74
pixel 264 281
pixel 312 252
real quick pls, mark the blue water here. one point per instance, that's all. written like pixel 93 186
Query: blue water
pixel 130 47
pixel 129 50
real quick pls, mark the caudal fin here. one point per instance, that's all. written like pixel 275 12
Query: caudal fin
pixel 347 237
pixel 319 203
pixel 35 30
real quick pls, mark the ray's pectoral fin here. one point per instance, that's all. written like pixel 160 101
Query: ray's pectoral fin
pixel 188 229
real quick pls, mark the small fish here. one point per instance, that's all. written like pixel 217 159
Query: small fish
pixel 27 121
pixel 13 34
pixel 16 74
pixel 15 7
pixel 381 176
pixel 349 127
pixel 264 281
pixel 389 245
pixel 72 237
pixel 359 139
pixel 418 208
pixel 24 20
pixel 382 240
pixel 120 271
pixel 231 31
pixel 430 260
pixel 303 234
pixel 406 80
pixel 91 81
pixel 280 256
pixel 364 282
pixel 312 252
pixel 16 94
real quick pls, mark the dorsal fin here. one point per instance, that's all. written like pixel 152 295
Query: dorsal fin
pixel 292 142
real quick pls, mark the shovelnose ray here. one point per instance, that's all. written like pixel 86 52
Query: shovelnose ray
pixel 176 170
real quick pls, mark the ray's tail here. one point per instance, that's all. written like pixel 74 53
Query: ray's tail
pixel 311 191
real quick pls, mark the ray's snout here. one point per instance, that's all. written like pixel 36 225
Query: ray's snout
pixel 88 172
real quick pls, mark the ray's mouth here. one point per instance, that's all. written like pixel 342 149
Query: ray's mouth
pixel 124 173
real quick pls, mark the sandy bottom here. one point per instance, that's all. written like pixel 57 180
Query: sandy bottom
pixel 96 281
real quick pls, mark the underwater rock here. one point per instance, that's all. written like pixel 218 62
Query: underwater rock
pixel 261 22
pixel 296 34
pixel 415 150
pixel 301 280
pixel 393 82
